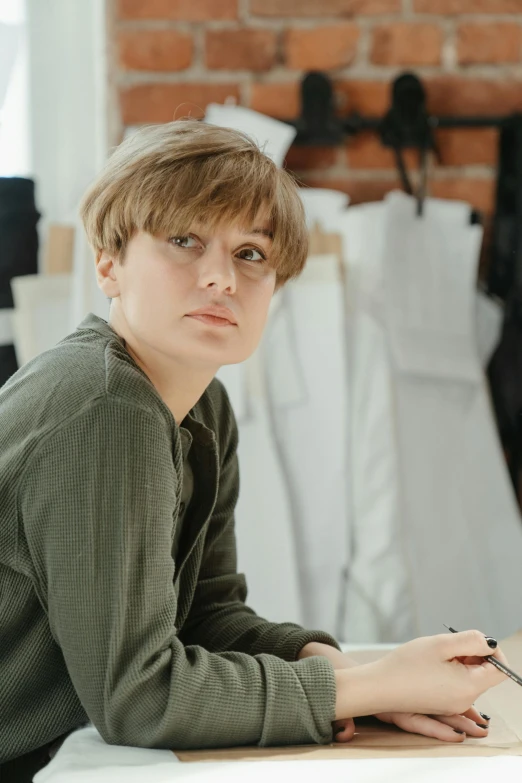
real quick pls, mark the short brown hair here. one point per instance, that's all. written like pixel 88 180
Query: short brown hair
pixel 164 177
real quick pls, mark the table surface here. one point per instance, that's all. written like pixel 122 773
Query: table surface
pixel 86 758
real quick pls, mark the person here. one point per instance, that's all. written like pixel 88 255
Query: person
pixel 121 602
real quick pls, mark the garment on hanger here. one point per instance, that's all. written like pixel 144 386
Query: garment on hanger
pixel 321 204
pixel 460 523
pixel 263 509
pixel 378 602
pixel 305 369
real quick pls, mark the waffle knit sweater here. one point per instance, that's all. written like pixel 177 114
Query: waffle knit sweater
pixel 98 621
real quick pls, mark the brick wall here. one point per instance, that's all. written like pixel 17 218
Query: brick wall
pixel 172 57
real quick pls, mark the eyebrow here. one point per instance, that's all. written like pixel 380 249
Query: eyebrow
pixel 264 231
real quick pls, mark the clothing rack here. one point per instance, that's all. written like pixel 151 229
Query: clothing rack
pixel 408 124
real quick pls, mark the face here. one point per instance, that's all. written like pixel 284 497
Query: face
pixel 163 280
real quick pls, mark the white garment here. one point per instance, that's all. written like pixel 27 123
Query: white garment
pixel 305 368
pixel 378 604
pixel 264 534
pixel 321 205
pixel 460 521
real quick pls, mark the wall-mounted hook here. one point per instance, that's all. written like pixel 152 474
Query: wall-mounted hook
pixel 318 123
pixel 407 124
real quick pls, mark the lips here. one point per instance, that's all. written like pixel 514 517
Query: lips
pixel 215 311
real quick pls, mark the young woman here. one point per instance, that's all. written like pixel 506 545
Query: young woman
pixel 120 600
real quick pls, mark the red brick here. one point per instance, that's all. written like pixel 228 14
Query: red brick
pixel 458 95
pixel 182 10
pixel 154 50
pixel 322 47
pixel 467 6
pixel 304 158
pixel 464 147
pixel 489 43
pixel 359 190
pixel 365 97
pixel 480 193
pixel 253 50
pixel 323 8
pixel 280 100
pixel 407 44
pixel 166 102
pixel 365 151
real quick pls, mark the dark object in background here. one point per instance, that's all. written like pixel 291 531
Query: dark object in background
pixel 505 269
pixel 18 249
pixel 505 379
pixel 505 282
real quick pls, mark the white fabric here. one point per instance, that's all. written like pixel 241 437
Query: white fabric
pixel 322 205
pixel 378 604
pixel 460 521
pixel 306 377
pixel 272 136
pixel 264 534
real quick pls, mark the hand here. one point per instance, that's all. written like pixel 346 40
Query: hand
pixel 431 676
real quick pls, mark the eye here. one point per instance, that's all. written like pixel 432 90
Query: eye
pixel 250 251
pixel 182 241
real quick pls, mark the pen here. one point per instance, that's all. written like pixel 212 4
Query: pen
pixel 493 660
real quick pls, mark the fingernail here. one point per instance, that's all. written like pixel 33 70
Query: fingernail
pixel 338 731
pixel 482 726
pixel 458 732
pixel 486 717
pixel 491 642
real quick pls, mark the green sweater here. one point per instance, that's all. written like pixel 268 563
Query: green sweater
pixel 97 621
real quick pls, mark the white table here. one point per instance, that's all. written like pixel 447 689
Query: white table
pixel 85 758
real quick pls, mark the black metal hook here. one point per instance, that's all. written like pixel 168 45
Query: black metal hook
pixel 318 123
pixel 407 124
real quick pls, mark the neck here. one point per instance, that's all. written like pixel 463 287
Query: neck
pixel 179 385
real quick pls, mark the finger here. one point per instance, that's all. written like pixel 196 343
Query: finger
pixel 343 730
pixel 466 725
pixel 466 643
pixel 479 717
pixel 428 726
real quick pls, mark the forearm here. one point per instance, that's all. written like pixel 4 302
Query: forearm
pixel 338 659
pixel 356 684
pixel 359 692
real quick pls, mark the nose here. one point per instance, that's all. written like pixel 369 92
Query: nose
pixel 216 268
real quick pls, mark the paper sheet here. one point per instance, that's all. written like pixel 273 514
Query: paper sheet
pixel 272 136
pixel 375 740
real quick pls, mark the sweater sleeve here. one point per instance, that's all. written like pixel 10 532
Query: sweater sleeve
pixel 219 619
pixel 96 504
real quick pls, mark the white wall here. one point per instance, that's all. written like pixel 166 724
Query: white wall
pixel 68 124
pixel 14 111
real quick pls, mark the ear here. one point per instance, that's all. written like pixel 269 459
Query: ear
pixel 106 274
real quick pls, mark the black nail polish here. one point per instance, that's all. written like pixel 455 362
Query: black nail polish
pixel 491 642
pixel 458 732
pixel 486 717
pixel 482 726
